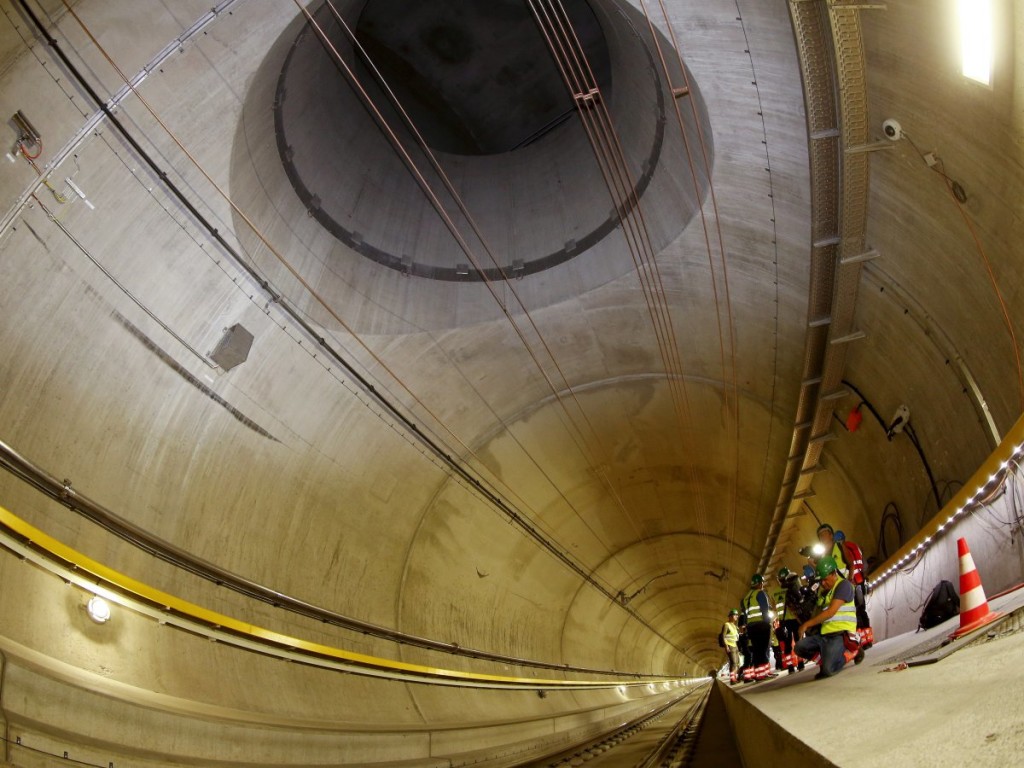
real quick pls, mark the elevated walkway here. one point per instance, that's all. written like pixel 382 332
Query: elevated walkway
pixel 910 703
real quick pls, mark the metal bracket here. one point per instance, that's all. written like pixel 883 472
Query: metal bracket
pixel 875 146
pixel 839 394
pixel 854 336
pixel 859 258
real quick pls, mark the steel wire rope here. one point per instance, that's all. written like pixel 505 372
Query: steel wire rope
pixel 301 280
pixel 707 241
pixel 952 187
pixel 670 344
pixel 635 225
pixel 618 187
pixel 597 135
pixel 527 526
pixel 592 461
pixel 471 255
pixel 587 576
pixel 276 299
pixel 586 84
pixel 614 180
pixel 721 239
pixel 450 188
pixel 609 150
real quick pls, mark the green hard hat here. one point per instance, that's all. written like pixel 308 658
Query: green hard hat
pixel 756 580
pixel 826 565
pixel 734 612
pixel 783 572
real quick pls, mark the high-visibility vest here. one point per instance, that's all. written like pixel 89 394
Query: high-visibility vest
pixel 844 620
pixel 752 608
pixel 779 598
pixel 730 634
pixel 837 555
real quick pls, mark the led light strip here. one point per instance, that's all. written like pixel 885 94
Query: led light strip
pixel 42 550
pixel 1010 450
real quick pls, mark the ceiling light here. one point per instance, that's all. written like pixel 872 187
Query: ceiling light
pixel 976 39
pixel 98 609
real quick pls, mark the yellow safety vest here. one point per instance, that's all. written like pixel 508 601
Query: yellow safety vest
pixel 837 555
pixel 730 634
pixel 752 608
pixel 779 598
pixel 844 620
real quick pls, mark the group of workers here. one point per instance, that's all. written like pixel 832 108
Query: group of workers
pixel 819 615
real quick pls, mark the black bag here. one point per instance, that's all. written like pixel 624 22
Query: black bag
pixel 803 600
pixel 721 637
pixel 942 604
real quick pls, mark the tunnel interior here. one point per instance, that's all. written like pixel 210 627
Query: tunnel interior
pixel 459 454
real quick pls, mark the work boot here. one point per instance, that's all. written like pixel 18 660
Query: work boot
pixel 859 657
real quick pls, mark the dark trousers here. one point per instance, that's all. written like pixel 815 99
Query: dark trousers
pixel 759 635
pixel 787 635
pixel 831 648
pixel 863 620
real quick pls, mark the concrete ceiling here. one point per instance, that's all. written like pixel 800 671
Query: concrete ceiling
pixel 552 390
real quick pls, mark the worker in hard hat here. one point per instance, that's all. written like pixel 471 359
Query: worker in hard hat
pixel 854 556
pixel 829 546
pixel 731 637
pixel 836 641
pixel 757 610
pixel 787 601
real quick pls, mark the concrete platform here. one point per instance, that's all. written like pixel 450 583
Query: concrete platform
pixel 963 709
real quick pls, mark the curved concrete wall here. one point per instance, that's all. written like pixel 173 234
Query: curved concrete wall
pixel 285 471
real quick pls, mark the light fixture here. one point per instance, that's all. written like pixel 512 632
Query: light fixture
pixel 976 39
pixel 974 500
pixel 818 549
pixel 98 609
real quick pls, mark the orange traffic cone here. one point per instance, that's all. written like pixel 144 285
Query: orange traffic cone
pixel 974 610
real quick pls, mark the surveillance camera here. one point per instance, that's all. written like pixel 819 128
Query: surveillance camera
pixel 899 421
pixel 892 129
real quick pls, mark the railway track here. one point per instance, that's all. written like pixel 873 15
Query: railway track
pixel 663 739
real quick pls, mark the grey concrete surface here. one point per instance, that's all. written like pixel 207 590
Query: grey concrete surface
pixel 956 712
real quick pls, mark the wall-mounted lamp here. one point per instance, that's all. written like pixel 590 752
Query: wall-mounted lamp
pixel 98 609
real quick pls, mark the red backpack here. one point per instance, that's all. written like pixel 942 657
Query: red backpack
pixel 855 560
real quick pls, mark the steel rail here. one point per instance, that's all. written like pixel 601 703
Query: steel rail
pixel 606 741
pixel 41 549
pixel 678 738
pixel 63 493
pixel 491 496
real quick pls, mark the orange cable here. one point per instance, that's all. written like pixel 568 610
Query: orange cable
pixel 667 340
pixel 291 269
pixel 472 257
pixel 323 302
pixel 449 186
pixel 995 287
pixel 724 261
